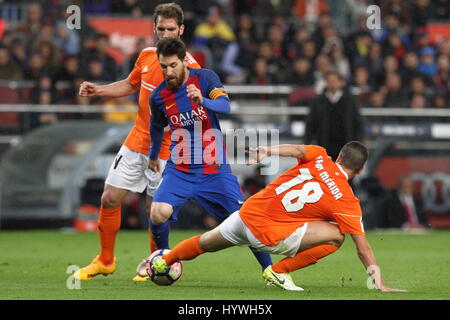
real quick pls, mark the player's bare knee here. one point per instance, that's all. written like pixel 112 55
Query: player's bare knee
pixel 157 217
pixel 203 242
pixel 159 213
pixel 212 241
pixel 338 241
pixel 109 201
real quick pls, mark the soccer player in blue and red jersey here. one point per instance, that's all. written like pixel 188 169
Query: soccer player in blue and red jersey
pixel 188 101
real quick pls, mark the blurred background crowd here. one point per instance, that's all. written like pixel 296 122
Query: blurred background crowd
pixel 321 49
pixel 292 42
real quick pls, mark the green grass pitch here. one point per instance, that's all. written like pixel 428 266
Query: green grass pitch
pixel 33 265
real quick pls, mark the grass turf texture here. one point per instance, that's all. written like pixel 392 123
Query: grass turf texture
pixel 33 265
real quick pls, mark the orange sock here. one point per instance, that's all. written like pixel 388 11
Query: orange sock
pixel 185 250
pixel 153 246
pixel 108 226
pixel 303 258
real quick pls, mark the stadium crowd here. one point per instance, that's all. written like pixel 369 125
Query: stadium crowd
pixel 291 42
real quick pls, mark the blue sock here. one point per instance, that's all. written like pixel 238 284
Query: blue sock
pixel 160 234
pixel 263 258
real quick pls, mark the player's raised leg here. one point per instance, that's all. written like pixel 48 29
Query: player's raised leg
pixel 162 231
pixel 320 240
pixel 221 196
pixel 108 226
pixel 191 248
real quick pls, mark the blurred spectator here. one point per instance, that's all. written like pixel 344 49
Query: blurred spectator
pixel 324 24
pixel 404 209
pixel 376 100
pixel 33 22
pixel 277 65
pixel 97 7
pixel 358 12
pixel 443 73
pixel 448 93
pixel 421 12
pixel 375 63
pixel 309 50
pixel 418 101
pixel 390 65
pixel 50 54
pixel 215 34
pixel 395 96
pixel 441 10
pixel 126 112
pixel 19 53
pixel 67 40
pixel 310 10
pixel 42 95
pixel 70 75
pixel 358 47
pixel 421 40
pixel 373 197
pixel 95 71
pixel 360 86
pixel 439 101
pixel 260 74
pixel 9 69
pixel 35 68
pixel 295 48
pixel 131 7
pixel 394 46
pixel 238 58
pixel 100 53
pixel 322 67
pixel 275 37
pixel 427 65
pixel 417 86
pixel 70 69
pixel 334 118
pixel 398 8
pixel 408 70
pixel 301 74
pixel 338 59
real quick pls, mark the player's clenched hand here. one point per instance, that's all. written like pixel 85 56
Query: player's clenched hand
pixel 195 94
pixel 257 155
pixel 154 165
pixel 87 89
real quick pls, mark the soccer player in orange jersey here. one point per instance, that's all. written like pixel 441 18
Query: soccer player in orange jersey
pixel 129 170
pixel 304 214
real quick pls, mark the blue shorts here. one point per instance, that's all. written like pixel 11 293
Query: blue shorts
pixel 219 194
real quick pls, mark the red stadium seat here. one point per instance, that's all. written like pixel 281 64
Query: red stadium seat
pixel 8 95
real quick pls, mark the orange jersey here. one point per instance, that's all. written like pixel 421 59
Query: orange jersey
pixel 315 189
pixel 148 75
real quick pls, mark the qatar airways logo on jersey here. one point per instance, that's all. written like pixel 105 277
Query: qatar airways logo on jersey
pixel 188 118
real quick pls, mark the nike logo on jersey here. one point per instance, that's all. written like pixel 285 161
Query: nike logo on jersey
pixel 145 69
pixel 170 106
pixel 240 202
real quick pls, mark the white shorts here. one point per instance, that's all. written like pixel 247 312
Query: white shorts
pixel 234 230
pixel 130 171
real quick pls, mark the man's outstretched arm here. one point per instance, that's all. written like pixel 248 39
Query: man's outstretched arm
pixel 367 257
pixel 283 150
pixel 116 89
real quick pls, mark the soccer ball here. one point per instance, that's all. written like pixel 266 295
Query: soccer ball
pixel 172 274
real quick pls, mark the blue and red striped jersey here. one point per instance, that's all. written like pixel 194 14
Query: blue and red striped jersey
pixel 197 140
